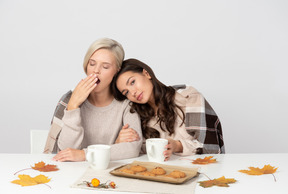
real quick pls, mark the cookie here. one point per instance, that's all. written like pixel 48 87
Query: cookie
pixel 158 171
pixel 138 168
pixel 125 170
pixel 177 174
pixel 147 173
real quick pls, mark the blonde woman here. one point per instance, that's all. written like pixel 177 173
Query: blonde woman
pixel 90 114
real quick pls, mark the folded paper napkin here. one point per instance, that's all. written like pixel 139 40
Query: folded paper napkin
pixel 124 184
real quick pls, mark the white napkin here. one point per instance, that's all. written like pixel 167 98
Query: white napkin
pixel 124 184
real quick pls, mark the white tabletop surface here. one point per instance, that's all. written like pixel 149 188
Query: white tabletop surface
pixel 227 165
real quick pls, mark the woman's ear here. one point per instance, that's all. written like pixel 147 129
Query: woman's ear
pixel 145 73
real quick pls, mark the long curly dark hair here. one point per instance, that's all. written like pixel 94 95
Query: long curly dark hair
pixel 164 99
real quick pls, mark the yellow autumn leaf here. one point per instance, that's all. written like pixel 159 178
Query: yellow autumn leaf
pixel 41 179
pixel 206 160
pixel 267 169
pixel 26 180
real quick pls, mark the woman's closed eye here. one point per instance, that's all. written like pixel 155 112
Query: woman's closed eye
pixel 106 66
pixel 92 63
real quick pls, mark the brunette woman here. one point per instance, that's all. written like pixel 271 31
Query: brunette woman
pixel 180 114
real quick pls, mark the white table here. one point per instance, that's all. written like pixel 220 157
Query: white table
pixel 227 165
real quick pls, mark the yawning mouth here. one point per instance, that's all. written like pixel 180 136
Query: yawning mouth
pixel 98 81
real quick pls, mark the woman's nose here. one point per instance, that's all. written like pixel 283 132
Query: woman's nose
pixel 97 70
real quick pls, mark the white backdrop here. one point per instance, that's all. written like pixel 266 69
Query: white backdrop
pixel 234 52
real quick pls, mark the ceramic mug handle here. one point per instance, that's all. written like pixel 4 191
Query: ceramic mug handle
pixel 89 157
pixel 151 151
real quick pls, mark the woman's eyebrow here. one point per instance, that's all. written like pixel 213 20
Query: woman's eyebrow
pixel 103 62
pixel 127 82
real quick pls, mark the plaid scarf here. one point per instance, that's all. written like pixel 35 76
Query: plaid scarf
pixel 201 121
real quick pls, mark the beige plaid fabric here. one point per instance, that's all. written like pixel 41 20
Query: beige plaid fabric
pixel 201 121
pixel 56 124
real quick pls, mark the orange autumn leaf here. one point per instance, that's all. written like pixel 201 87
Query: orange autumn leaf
pixel 220 182
pixel 267 169
pixel 26 180
pixel 206 160
pixel 41 166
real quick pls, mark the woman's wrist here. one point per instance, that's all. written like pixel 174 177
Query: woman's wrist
pixel 179 147
pixel 71 106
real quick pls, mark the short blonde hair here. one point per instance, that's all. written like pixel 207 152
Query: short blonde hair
pixel 105 43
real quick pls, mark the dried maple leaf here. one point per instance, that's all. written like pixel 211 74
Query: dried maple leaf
pixel 221 182
pixel 267 169
pixel 41 166
pixel 26 180
pixel 206 160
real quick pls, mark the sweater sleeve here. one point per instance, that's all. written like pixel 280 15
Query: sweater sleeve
pixel 128 149
pixel 72 132
pixel 189 143
pixel 189 147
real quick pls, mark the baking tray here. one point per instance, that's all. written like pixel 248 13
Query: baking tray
pixel 190 172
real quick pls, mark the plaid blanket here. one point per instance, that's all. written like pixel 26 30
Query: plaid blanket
pixel 56 124
pixel 201 121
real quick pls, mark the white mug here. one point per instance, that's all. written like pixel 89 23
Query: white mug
pixel 98 156
pixel 155 148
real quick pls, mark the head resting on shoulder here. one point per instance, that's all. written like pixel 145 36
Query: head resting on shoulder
pixel 105 43
pixel 164 100
pixel 136 66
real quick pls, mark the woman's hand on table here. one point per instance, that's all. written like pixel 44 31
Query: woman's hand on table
pixel 173 146
pixel 127 134
pixel 70 154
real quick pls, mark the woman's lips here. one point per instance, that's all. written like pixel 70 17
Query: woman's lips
pixel 98 81
pixel 140 96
